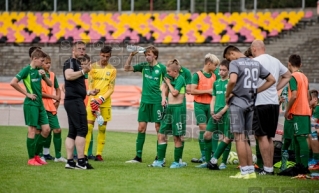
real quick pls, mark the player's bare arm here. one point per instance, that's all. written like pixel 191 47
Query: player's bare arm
pixel 15 84
pixel 45 78
pixel 127 65
pixel 284 80
pixel 71 75
pixel 195 91
pixel 290 103
pixel 230 86
pixel 164 89
pixel 270 80
pixel 212 105
pixel 174 97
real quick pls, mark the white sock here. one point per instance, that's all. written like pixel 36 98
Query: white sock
pixel 213 160
pixel 244 170
pixel 251 169
pixel 268 169
pixel 46 151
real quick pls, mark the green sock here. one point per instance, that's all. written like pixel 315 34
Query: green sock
pixel 30 147
pixel 90 150
pixel 303 150
pixel 226 152
pixel 47 142
pixel 311 155
pixel 316 156
pixel 161 151
pixel 220 149
pixel 215 141
pixel 57 144
pixel 260 162
pixel 39 145
pixel 183 143
pixel 201 143
pixel 178 152
pixel 208 151
pixel 36 138
pixel 139 144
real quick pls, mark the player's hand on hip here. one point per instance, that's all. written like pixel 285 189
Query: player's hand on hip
pixel 32 96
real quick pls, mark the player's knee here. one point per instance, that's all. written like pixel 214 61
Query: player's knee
pixel 208 135
pixel 141 128
pixel 72 135
pixel 56 131
pixel 45 131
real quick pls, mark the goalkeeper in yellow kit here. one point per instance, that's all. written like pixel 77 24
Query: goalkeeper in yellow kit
pixel 102 80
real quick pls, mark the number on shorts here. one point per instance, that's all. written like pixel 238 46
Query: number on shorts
pixel 159 114
pixel 251 78
pixel 179 126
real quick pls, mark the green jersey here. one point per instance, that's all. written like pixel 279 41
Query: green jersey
pixel 216 72
pixel 179 84
pixel 32 82
pixel 152 80
pixel 219 91
pixel 316 112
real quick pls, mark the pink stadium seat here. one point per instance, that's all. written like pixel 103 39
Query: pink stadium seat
pixel 308 15
pixel 233 38
pixel 274 14
pixel 273 33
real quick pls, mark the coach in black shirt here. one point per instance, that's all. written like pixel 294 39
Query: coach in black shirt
pixel 75 93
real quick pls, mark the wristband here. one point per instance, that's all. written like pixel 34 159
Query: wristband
pixel 82 72
pixel 88 92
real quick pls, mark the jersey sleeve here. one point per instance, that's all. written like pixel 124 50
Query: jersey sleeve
pixel 195 78
pixel 56 84
pixel 22 74
pixel 293 84
pixel 263 72
pixel 214 89
pixel 233 68
pixel 180 83
pixel 216 72
pixel 316 112
pixel 164 73
pixel 71 64
pixel 139 67
pixel 188 77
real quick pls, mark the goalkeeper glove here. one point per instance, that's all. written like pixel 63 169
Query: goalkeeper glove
pixel 95 103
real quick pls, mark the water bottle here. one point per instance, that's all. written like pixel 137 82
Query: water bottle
pixel 99 118
pixel 284 94
pixel 284 159
pixel 131 48
pixel 314 136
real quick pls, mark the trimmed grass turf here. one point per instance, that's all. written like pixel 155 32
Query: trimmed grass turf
pixel 113 175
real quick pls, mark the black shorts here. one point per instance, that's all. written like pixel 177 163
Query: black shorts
pixel 76 112
pixel 265 120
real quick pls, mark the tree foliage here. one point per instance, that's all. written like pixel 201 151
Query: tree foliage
pixel 143 5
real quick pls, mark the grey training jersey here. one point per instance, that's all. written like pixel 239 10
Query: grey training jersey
pixel 248 72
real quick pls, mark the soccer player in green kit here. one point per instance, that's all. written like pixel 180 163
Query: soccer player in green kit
pixel 201 88
pixel 174 121
pixel 34 112
pixel 151 108
pixel 219 122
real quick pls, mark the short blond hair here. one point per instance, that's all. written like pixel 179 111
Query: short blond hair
pixel 174 64
pixel 211 58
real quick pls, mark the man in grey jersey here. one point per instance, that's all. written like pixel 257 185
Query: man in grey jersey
pixel 240 95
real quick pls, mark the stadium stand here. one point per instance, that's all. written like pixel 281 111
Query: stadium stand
pixel 36 27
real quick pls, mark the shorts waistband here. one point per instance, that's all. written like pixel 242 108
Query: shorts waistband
pixel 175 105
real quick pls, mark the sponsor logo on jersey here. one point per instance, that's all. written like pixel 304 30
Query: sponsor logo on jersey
pixel 108 73
pixel 156 71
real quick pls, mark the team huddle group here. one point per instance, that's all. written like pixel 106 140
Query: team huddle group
pixel 235 98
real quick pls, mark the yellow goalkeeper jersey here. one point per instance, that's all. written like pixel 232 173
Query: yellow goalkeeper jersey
pixel 102 78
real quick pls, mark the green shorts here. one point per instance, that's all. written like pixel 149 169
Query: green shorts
pixel 35 115
pixel 202 113
pixel 150 112
pixel 288 129
pixel 301 125
pixel 53 121
pixel 222 126
pixel 174 121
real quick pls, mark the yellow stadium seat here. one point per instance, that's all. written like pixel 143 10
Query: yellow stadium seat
pixel 225 39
